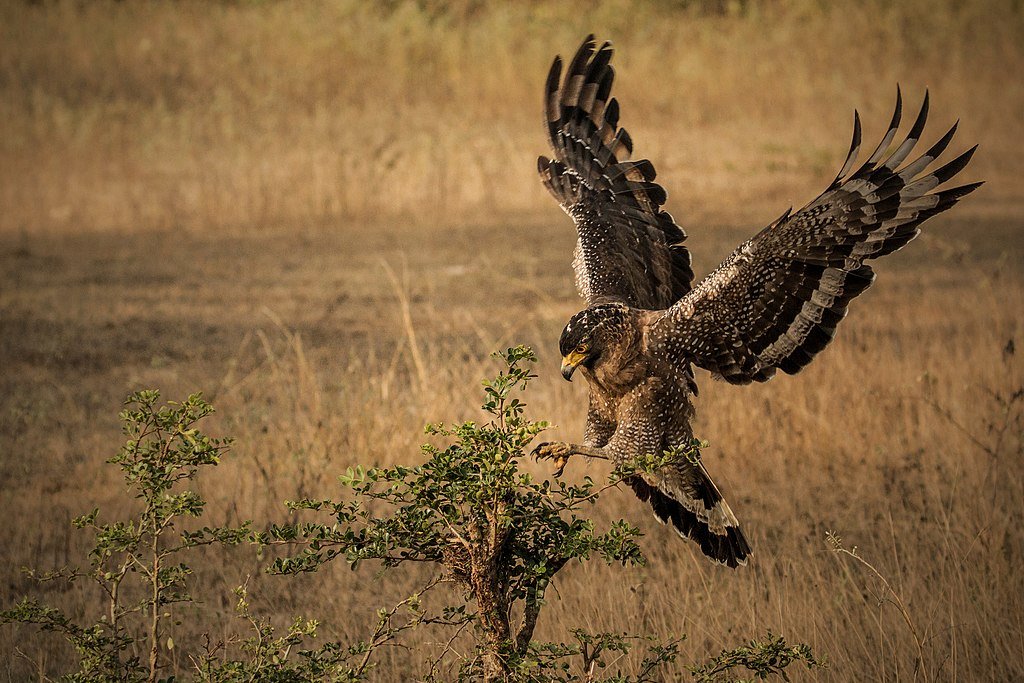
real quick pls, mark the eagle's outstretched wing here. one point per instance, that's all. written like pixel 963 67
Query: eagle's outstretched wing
pixel 775 302
pixel 628 250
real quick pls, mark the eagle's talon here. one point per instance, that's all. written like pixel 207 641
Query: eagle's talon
pixel 558 452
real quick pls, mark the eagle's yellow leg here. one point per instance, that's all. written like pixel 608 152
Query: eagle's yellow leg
pixel 559 452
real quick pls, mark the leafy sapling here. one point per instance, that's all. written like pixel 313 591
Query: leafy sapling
pixel 136 563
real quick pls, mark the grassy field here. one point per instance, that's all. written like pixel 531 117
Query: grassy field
pixel 195 115
pixel 248 198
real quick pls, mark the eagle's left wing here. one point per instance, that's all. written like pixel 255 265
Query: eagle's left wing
pixel 776 301
pixel 629 250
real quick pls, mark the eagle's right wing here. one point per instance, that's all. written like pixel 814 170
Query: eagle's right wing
pixel 776 301
pixel 629 250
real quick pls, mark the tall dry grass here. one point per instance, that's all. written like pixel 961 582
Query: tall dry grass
pixel 304 342
pixel 131 115
pixel 325 215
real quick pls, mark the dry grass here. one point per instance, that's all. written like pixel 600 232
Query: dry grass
pixel 300 340
pixel 129 116
pixel 186 194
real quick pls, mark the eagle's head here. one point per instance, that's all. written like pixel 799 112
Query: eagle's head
pixel 590 335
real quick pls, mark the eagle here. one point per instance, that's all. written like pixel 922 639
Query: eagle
pixel 773 304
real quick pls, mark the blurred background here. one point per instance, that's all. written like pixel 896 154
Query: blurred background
pixel 325 215
pixel 203 116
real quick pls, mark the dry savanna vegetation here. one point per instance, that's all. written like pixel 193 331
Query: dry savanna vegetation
pixel 324 215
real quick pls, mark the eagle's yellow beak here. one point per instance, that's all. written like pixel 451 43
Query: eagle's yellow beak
pixel 570 362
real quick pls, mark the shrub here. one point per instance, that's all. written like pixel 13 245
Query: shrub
pixel 136 563
pixel 489 528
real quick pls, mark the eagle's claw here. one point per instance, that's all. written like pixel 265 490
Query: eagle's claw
pixel 556 451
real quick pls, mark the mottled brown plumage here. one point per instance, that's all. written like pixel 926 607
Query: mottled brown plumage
pixel 773 304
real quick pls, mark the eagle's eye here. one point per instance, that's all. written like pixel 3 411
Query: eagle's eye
pixel 582 348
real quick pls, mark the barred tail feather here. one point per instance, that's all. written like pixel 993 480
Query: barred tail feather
pixel 698 512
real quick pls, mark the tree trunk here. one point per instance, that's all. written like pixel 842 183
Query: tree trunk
pixel 486 546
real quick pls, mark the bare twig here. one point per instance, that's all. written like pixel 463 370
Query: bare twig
pixel 448 647
pixel 891 596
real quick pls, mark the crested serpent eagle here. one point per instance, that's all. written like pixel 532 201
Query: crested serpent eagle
pixel 773 304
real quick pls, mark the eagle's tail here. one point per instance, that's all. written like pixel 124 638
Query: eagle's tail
pixel 686 496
